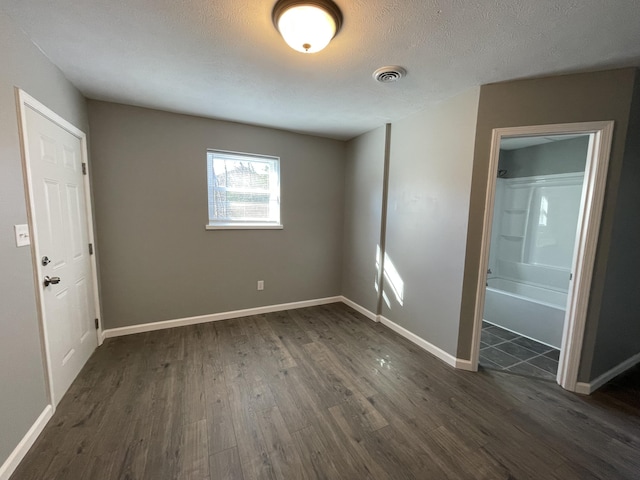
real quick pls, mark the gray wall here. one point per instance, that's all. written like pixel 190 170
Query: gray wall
pixel 22 378
pixel 564 99
pixel 157 262
pixel 618 336
pixel 563 156
pixel 364 172
pixel 428 206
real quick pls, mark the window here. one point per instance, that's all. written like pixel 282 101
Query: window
pixel 244 190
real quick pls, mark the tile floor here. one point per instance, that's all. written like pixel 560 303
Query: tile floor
pixel 501 349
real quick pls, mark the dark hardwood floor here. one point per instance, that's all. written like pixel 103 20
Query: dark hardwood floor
pixel 322 393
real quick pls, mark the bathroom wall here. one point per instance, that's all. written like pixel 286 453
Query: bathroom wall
pixel 562 156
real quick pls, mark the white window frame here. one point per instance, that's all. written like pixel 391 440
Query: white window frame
pixel 274 182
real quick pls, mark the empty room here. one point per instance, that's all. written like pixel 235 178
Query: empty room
pixel 319 239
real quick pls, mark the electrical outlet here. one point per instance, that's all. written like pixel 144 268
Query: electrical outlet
pixel 260 284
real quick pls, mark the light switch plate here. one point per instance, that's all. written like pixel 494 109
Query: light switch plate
pixel 22 235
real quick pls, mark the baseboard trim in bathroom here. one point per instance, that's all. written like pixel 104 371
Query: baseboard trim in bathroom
pixel 215 317
pixel 588 388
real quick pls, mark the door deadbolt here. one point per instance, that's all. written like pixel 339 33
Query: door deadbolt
pixel 51 281
pixel 45 261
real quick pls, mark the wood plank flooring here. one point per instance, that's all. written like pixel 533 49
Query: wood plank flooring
pixel 322 393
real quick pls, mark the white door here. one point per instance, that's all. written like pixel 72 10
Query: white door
pixel 54 158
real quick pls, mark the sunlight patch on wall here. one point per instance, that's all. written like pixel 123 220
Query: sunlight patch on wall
pixel 391 277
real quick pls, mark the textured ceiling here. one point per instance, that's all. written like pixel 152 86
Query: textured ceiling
pixel 224 59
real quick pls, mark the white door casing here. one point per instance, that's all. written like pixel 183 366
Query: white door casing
pixel 595 177
pixel 61 226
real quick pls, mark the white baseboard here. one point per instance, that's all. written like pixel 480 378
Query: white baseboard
pixel 215 317
pixel 588 388
pixel 9 466
pixel 422 343
pixel 181 322
pixel 360 309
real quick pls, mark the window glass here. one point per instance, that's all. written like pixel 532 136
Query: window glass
pixel 244 189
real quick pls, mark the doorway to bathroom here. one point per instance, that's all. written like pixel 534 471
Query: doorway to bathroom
pixel 544 203
pixel 535 218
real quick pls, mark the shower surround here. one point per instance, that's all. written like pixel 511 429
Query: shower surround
pixel 533 238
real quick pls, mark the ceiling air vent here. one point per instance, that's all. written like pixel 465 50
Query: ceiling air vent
pixel 389 74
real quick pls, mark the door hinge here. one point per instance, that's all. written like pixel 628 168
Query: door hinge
pixel 91 249
pixel 84 168
pixel 97 324
pixel 571 276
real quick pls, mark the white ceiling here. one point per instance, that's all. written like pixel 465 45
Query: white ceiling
pixel 224 59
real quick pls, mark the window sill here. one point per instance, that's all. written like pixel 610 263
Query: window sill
pixel 247 226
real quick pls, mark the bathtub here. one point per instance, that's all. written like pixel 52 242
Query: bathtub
pixel 534 312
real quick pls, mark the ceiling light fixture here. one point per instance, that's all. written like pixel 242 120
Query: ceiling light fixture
pixel 307 25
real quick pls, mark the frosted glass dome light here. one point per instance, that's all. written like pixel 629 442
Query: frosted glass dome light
pixel 307 26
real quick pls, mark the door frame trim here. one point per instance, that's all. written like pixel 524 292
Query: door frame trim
pixel 592 201
pixel 25 101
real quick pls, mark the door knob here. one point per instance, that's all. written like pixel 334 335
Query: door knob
pixel 51 280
